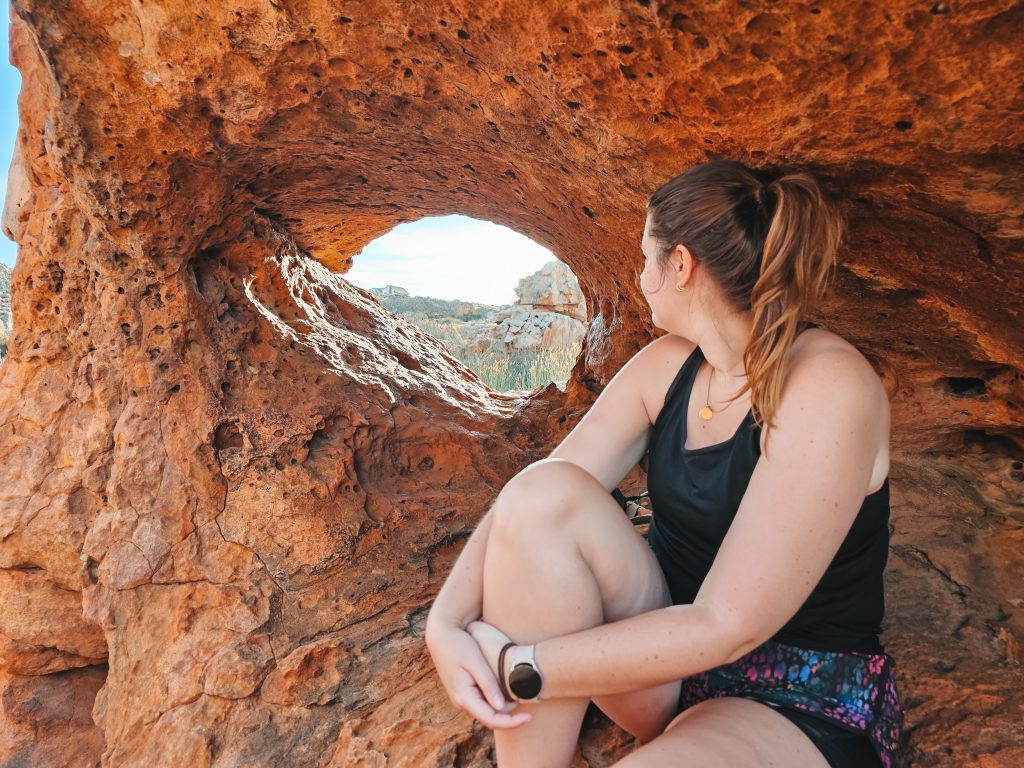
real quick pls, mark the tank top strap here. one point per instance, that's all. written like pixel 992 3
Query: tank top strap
pixel 684 377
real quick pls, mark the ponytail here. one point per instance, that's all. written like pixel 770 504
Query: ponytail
pixel 796 267
pixel 769 245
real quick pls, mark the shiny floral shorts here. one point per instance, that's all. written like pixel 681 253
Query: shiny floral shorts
pixel 855 690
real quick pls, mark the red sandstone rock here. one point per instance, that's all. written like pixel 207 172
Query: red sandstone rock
pixel 251 480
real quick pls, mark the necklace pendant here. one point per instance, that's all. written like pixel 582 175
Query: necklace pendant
pixel 705 413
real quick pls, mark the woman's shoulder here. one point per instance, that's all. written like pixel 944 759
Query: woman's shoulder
pixel 827 372
pixel 658 363
pixel 823 356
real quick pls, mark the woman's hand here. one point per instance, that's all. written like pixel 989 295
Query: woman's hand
pixel 468 676
pixel 491 640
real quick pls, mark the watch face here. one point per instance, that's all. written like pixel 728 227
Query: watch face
pixel 524 681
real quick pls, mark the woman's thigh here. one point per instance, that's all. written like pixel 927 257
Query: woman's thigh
pixel 557 493
pixel 728 732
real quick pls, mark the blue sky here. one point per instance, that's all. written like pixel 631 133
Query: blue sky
pixel 447 257
pixel 10 84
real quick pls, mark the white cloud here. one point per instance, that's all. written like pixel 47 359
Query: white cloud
pixel 450 257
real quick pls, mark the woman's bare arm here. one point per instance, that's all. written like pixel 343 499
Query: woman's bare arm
pixel 461 596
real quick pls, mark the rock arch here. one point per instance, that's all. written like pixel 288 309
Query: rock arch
pixel 230 488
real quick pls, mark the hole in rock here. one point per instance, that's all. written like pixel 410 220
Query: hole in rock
pixel 227 435
pixel 965 386
pixel 90 569
pixel 502 304
pixel 980 441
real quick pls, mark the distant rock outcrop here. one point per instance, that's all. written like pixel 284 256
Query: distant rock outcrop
pixel 553 288
pixel 398 300
pixel 549 314
pixel 5 298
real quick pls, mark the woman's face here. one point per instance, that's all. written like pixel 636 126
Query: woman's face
pixel 657 284
pixel 678 312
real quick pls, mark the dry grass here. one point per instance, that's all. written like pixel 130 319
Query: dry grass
pixel 522 369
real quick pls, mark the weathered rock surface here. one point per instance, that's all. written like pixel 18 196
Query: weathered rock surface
pixel 251 481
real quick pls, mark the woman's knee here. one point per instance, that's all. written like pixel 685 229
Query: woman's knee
pixel 546 495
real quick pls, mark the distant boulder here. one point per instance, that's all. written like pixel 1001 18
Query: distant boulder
pixel 550 313
pixel 553 288
pixel 524 327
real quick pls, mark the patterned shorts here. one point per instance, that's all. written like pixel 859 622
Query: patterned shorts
pixel 854 690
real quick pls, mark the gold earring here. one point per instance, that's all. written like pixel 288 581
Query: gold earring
pixel 680 287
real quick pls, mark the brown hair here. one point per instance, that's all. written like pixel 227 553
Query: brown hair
pixel 769 243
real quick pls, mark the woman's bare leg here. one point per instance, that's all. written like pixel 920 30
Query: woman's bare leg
pixel 563 557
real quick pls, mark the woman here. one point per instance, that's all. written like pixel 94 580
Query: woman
pixel 744 631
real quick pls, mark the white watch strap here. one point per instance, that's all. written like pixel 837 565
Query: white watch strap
pixel 522 654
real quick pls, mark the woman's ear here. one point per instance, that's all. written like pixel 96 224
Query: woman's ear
pixel 683 264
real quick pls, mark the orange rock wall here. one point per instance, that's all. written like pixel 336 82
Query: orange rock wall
pixel 230 483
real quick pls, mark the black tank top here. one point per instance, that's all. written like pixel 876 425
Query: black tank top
pixel 695 494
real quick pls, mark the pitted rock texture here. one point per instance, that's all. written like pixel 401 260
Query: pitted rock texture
pixel 231 482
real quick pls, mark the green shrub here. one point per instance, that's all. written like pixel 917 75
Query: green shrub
pixel 505 370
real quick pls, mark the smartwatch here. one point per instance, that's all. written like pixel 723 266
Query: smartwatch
pixel 524 680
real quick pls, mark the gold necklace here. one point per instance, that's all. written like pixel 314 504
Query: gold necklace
pixel 705 413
